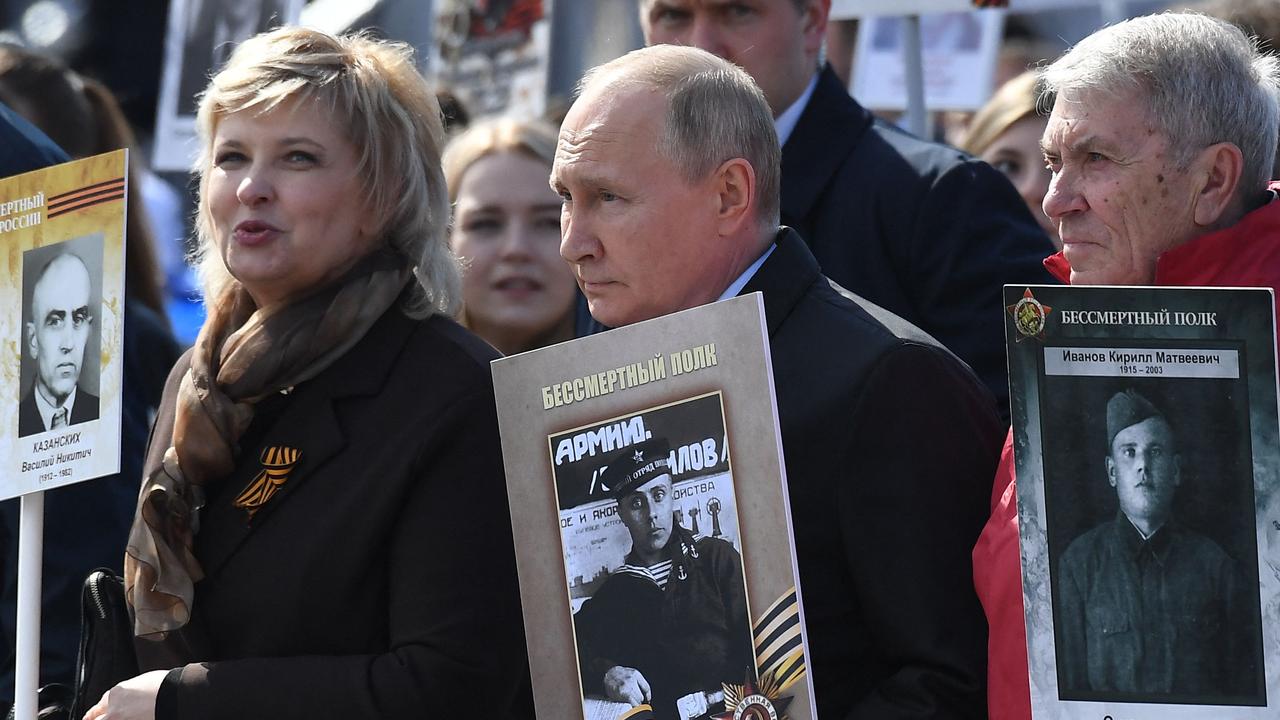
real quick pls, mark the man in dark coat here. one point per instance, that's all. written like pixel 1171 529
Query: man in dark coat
pixel 917 228
pixel 668 166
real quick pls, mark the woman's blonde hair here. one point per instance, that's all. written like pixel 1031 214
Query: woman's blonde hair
pixel 371 89
pixel 1016 99
pixel 533 138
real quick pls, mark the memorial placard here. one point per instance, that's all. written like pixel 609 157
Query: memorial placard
pixel 652 522
pixel 1145 444
pixel 62 279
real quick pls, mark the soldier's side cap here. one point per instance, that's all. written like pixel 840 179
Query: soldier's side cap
pixel 635 466
pixel 1125 409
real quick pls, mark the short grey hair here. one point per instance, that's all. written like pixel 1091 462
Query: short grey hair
pixel 715 112
pixel 371 90
pixel 1203 79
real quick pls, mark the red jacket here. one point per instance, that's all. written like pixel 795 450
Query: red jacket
pixel 1246 254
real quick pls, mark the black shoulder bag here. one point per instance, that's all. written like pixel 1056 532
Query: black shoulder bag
pixel 106 654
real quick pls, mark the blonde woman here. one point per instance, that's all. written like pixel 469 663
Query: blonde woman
pixel 517 292
pixel 322 529
pixel 1006 133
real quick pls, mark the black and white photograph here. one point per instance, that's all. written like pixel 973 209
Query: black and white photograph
pixel 654 541
pixel 1149 499
pixel 1145 438
pixel 651 543
pixel 61 298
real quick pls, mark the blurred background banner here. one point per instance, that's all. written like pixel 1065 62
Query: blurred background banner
pixel 200 38
pixel 958 50
pixel 493 55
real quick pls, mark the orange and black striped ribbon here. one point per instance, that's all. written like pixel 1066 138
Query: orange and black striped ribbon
pixel 779 644
pixel 990 3
pixel 86 197
pixel 276 463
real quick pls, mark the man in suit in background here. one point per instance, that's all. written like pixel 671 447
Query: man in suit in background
pixel 56 335
pixel 668 166
pixel 917 228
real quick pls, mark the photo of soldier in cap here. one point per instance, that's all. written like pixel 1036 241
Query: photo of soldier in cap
pixel 1152 597
pixel 670 625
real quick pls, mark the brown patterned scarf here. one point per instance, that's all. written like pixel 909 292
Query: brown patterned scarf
pixel 241 355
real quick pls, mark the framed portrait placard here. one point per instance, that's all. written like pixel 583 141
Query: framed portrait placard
pixel 652 522
pixel 62 280
pixel 1148 465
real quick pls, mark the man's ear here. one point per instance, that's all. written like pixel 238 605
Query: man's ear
pixel 1177 470
pixel 1111 471
pixel 735 186
pixel 814 25
pixel 32 348
pixel 1218 168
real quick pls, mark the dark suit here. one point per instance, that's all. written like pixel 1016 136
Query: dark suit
pixel 30 423
pixel 917 228
pixel 890 444
pixel 379 582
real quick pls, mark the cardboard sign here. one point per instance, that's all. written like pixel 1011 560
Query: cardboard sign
pixel 652 523
pixel 1148 466
pixel 62 279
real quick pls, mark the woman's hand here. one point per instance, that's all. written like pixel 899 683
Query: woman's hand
pixel 133 699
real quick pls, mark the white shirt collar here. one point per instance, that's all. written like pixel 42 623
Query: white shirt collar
pixel 47 410
pixel 786 122
pixel 745 277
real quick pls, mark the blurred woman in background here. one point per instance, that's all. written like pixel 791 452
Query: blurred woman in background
pixel 322 529
pixel 1006 133
pixel 517 292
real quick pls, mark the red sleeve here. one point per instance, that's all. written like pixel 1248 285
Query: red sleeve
pixel 997 576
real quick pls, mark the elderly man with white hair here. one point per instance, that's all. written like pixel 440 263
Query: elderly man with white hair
pixel 1161 143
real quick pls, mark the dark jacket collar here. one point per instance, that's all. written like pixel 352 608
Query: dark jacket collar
pixel 827 132
pixel 784 277
pixel 309 422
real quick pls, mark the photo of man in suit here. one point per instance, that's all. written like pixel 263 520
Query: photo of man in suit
pixel 58 325
pixel 1147 605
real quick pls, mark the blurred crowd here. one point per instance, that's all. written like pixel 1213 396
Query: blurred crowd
pixel 925 230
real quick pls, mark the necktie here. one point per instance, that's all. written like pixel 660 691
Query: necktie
pixel 59 418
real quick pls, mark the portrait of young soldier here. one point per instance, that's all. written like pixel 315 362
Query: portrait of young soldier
pixel 1146 605
pixel 58 325
pixel 670 624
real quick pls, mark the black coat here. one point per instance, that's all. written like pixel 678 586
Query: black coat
pixel 917 228
pixel 379 582
pixel 890 444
